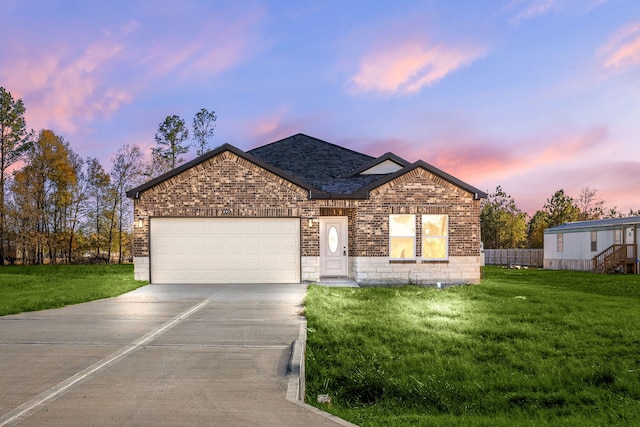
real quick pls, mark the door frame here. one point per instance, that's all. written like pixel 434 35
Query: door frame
pixel 344 238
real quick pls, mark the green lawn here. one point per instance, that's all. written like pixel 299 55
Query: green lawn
pixel 526 347
pixel 38 287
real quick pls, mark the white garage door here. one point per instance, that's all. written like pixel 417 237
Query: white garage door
pixel 225 250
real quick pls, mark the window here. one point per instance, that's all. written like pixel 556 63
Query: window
pixel 560 242
pixel 617 237
pixel 594 241
pixel 402 237
pixel 435 237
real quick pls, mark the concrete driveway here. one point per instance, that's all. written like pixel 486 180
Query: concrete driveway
pixel 160 355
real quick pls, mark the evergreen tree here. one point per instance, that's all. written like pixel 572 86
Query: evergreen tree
pixel 14 142
pixel 560 209
pixel 170 137
pixel 503 224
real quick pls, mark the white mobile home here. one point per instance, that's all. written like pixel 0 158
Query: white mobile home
pixel 607 245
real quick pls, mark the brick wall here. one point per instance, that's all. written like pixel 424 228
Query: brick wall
pixel 418 192
pixel 228 185
pixel 225 185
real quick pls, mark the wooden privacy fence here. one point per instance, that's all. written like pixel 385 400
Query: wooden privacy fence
pixel 528 257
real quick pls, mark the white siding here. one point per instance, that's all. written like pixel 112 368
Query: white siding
pixel 577 253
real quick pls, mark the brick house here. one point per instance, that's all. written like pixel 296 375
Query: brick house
pixel 300 209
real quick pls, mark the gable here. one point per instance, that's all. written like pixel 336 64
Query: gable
pixel 227 182
pixel 383 168
pixel 433 174
pixel 422 185
pixel 172 177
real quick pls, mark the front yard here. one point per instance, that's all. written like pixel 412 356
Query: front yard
pixel 38 287
pixel 526 347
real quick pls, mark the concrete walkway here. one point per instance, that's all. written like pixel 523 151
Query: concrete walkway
pixel 160 355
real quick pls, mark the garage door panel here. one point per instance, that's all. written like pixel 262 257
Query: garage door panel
pixel 198 242
pixel 225 250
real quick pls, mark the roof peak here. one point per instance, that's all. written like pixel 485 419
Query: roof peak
pixel 310 138
pixel 311 159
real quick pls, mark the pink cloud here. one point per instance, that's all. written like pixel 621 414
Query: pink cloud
pixel 62 89
pixel 280 125
pixel 123 28
pixel 68 85
pixel 219 44
pixel 529 9
pixel 474 158
pixel 620 186
pixel 406 67
pixel 623 49
pixel 616 182
pixel 531 169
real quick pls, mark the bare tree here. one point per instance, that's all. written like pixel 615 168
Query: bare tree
pixel 127 167
pixel 98 181
pixel 204 122
pixel 589 204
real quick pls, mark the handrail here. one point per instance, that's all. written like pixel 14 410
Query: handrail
pixel 613 256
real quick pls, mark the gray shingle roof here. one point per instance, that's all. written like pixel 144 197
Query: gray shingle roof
pixel 326 170
pixel 312 160
pixel 350 185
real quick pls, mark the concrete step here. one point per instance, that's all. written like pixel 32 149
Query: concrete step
pixel 338 282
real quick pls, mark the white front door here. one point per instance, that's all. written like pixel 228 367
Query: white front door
pixel 334 247
pixel 629 236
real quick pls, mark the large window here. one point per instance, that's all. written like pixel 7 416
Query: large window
pixel 435 237
pixel 402 237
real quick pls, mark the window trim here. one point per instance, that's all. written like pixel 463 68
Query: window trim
pixel 560 242
pixel 444 237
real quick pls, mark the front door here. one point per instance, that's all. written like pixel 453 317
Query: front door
pixel 334 247
pixel 629 236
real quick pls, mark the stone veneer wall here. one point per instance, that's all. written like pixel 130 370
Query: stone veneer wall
pixel 228 185
pixel 310 266
pixel 379 271
pixel 141 268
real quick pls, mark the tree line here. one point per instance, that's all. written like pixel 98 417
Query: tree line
pixel 58 207
pixel 505 226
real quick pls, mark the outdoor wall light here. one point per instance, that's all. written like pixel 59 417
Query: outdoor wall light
pixel 310 222
pixel 140 222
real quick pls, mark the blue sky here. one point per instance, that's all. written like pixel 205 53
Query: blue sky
pixel 532 95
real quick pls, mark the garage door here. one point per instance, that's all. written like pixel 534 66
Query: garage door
pixel 225 250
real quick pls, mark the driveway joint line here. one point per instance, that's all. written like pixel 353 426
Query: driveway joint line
pixel 59 389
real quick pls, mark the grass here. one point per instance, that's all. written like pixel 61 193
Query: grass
pixel 524 348
pixel 39 287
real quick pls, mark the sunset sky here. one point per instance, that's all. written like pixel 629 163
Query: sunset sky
pixel 532 95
